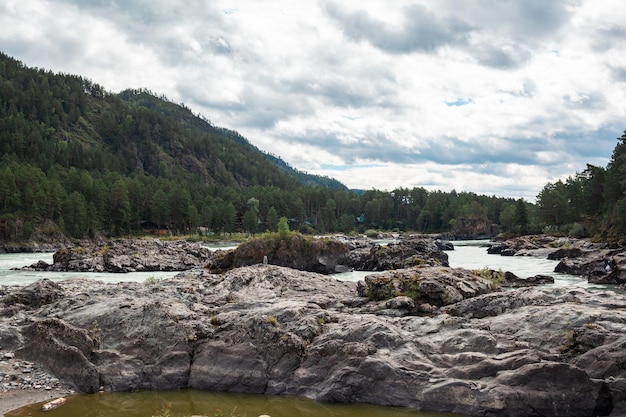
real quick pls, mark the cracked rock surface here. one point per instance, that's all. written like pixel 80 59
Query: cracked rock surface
pixel 275 330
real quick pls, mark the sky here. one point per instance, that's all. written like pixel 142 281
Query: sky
pixel 495 97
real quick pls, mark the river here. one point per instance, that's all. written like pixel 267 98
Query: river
pixel 210 404
pixel 467 254
pixel 470 254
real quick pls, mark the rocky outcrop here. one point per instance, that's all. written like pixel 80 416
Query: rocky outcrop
pixel 323 255
pixel 127 255
pixel 332 254
pixel 275 330
pixel 423 289
pixel 599 262
pixel 543 246
pixel 34 295
pixel 513 281
pixel 403 254
pixel 472 228
pixel 30 247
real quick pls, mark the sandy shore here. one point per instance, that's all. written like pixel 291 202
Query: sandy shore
pixel 14 399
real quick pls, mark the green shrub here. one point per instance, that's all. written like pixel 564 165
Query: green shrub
pixel 496 277
pixel 577 231
pixel 152 280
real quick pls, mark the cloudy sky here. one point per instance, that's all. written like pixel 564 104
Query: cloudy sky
pixel 489 96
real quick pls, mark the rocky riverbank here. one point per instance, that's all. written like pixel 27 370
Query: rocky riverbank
pixel 600 263
pixel 23 383
pixel 434 338
pixel 326 255
pixel 127 255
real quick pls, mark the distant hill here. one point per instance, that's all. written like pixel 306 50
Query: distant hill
pixel 71 151
pixel 77 160
pixel 146 99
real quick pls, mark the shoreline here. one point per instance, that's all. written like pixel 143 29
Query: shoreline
pixel 13 399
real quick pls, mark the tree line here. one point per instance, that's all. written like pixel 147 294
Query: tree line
pixel 82 203
pixel 590 203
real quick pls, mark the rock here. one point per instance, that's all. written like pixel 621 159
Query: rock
pixel 600 267
pixel 404 254
pixel 513 281
pixel 275 330
pixel 565 253
pixel 332 255
pixel 127 255
pixel 472 228
pixel 557 389
pixel 294 251
pixel 436 286
pixel 64 349
pixel 496 249
pixel 444 245
pixel 34 295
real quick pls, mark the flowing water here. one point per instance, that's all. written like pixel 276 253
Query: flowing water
pixel 467 254
pixel 472 254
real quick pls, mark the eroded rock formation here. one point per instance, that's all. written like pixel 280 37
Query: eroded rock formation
pixel 275 330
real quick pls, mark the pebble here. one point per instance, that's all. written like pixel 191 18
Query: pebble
pixel 17 374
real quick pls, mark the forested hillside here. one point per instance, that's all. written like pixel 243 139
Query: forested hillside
pixel 80 161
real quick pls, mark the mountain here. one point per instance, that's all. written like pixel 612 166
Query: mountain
pixel 71 121
pixel 77 160
pixel 148 100
pixel 80 160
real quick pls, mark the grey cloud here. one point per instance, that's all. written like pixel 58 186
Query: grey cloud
pixel 422 31
pixel 365 89
pixel 537 17
pixel 589 147
pixel 521 20
pixel 505 32
pixel 619 74
pixel 609 38
pixel 154 22
pixel 442 150
pixel 502 56
pixel 589 101
pixel 220 45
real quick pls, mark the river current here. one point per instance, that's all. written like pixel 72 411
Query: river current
pixel 467 254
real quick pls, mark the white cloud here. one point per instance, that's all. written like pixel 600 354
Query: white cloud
pixel 480 95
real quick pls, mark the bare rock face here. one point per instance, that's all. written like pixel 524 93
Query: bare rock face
pixel 426 286
pixel 64 349
pixel 276 330
pixel 404 254
pixel 323 255
pixel 34 295
pixel 128 255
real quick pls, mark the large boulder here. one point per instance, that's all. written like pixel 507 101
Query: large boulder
pixel 406 253
pixel 34 295
pixel 65 350
pixel 128 255
pixel 428 287
pixel 323 255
